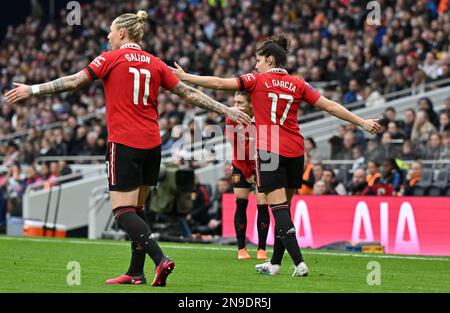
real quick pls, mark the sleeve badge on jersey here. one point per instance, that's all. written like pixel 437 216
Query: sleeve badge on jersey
pixel 249 77
pixel 98 61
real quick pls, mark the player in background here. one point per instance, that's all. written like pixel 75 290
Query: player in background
pixel 243 143
pixel 275 97
pixel 131 80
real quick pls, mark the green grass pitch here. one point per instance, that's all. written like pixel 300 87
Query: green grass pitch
pixel 40 265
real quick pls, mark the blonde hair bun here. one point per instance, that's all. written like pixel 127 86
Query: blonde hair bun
pixel 142 15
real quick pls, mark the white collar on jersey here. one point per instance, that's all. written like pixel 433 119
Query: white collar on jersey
pixel 131 45
pixel 277 70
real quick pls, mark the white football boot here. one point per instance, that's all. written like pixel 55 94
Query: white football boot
pixel 267 268
pixel 301 270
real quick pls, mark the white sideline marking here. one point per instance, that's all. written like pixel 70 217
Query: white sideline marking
pixel 171 246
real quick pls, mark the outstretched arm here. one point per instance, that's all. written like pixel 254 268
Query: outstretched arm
pixel 211 82
pixel 66 83
pixel 198 98
pixel 341 112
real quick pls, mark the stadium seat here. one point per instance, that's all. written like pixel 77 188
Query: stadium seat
pixel 438 187
pixel 447 191
pixel 419 191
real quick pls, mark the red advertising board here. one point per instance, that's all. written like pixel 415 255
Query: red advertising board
pixel 404 225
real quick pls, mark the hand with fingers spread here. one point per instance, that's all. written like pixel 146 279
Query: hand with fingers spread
pixel 21 92
pixel 371 126
pixel 235 114
pixel 178 71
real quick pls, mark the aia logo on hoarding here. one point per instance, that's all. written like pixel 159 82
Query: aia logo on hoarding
pixel 406 227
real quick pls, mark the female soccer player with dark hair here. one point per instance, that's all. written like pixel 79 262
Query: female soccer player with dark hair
pixel 275 98
pixel 243 177
pixel 131 79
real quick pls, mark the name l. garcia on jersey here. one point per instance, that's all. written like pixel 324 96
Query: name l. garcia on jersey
pixel 283 84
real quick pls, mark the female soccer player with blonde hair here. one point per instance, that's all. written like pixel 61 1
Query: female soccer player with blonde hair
pixel 131 79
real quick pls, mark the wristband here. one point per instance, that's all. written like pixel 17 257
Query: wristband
pixel 34 89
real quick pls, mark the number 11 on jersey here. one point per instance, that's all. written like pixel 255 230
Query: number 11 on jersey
pixel 136 86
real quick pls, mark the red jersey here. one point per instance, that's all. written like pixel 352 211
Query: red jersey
pixel 242 159
pixel 131 80
pixel 275 98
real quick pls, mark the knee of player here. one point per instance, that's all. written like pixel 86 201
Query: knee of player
pixel 287 231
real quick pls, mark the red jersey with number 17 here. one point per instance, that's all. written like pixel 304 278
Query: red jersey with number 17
pixel 275 98
pixel 131 80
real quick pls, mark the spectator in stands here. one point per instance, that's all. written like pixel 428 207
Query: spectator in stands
pixel 318 171
pixel 373 153
pixel 14 190
pixel 408 151
pixel 373 173
pixel 422 128
pixel 311 150
pixel 352 94
pixel 410 116
pixel 391 174
pixel 358 185
pixel 348 143
pixel 444 122
pixel 91 146
pixel 337 142
pixel 308 178
pixel 64 168
pixel 335 187
pixel 445 153
pixel 395 132
pixel 44 171
pixel 360 138
pixel 59 145
pixel 426 104
pixel 31 177
pixel 391 115
pixel 358 157
pixel 11 154
pixel 388 147
pixel 446 106
pixel 413 177
pixel 430 66
pixel 176 138
pixel 433 149
pixel 321 188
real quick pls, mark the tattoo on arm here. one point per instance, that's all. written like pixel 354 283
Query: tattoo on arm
pixel 198 98
pixel 66 83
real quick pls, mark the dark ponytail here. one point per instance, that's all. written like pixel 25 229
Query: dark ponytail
pixel 276 46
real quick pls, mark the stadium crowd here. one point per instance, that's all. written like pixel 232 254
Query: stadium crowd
pixel 332 47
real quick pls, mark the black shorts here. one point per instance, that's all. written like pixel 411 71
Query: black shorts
pixel 274 171
pixel 239 180
pixel 129 168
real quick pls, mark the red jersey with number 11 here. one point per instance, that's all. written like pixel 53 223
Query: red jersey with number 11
pixel 131 80
pixel 275 98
